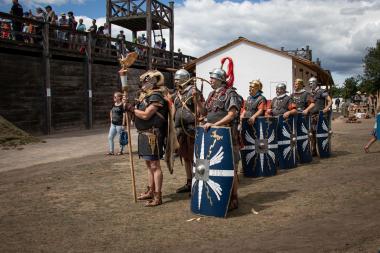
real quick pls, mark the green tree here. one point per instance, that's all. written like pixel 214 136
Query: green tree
pixel 371 78
pixel 336 91
pixel 350 87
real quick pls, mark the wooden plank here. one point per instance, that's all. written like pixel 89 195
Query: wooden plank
pixel 46 58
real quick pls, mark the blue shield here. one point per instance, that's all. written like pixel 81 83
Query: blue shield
pixel 304 138
pixel 213 171
pixel 323 134
pixel 260 147
pixel 248 152
pixel 287 142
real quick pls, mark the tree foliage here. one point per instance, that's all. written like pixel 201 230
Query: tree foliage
pixel 350 87
pixel 371 79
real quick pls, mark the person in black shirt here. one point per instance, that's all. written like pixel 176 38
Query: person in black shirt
pixel 17 11
pixel 117 118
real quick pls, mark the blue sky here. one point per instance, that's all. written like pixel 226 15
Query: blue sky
pixel 90 8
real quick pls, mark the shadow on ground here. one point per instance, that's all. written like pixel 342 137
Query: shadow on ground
pixel 259 201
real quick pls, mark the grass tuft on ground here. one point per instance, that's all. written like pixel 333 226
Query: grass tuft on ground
pixel 12 136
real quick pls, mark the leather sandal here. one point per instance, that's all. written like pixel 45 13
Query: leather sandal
pixel 156 201
pixel 185 188
pixel 148 194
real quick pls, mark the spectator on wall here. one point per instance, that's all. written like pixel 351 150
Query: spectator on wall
pixel 28 28
pixel 120 44
pixel 81 38
pixel 17 11
pixel 64 23
pixel 40 15
pixel 163 44
pixel 142 39
pixel 93 28
pixel 180 55
pixel 51 18
pixel 72 22
pixel 81 27
pixel 5 30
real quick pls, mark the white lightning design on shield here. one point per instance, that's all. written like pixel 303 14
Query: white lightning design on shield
pixel 324 135
pixel 216 159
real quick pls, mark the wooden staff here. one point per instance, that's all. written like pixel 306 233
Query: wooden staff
pixel 131 155
pixel 125 63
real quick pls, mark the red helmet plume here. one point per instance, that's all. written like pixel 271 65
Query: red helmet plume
pixel 230 71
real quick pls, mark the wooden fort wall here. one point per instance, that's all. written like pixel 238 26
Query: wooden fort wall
pixel 23 92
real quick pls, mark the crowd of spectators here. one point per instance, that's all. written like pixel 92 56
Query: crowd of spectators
pixel 71 33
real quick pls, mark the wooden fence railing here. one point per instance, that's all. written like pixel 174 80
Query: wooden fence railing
pixel 30 33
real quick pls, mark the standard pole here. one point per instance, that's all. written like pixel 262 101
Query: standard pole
pixel 131 155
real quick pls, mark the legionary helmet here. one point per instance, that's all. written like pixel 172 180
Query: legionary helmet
pixel 218 74
pixel 300 81
pixel 313 82
pixel 256 84
pixel 152 79
pixel 182 76
pixel 281 86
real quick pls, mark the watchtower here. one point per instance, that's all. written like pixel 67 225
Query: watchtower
pixel 151 16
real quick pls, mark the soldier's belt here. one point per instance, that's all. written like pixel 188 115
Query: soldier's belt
pixel 151 135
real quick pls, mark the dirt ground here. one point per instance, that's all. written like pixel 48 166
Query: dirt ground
pixel 65 195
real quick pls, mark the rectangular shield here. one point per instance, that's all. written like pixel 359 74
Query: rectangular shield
pixel 287 142
pixel 304 138
pixel 213 171
pixel 260 147
pixel 323 134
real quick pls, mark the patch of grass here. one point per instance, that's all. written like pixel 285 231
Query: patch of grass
pixel 12 136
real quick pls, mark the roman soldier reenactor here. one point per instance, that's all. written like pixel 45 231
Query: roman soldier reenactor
pixel 223 107
pixel 302 98
pixel 282 104
pixel 323 102
pixel 188 101
pixel 256 103
pixel 151 119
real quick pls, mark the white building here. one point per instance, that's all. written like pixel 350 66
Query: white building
pixel 256 61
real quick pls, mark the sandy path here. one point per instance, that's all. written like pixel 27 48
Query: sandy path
pixel 58 147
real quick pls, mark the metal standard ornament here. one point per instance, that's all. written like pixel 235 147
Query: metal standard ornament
pixel 287 142
pixel 304 138
pixel 260 147
pixel 125 63
pixel 323 134
pixel 213 171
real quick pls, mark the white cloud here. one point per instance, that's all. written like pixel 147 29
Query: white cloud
pixel 338 31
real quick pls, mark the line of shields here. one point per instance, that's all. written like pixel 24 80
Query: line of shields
pixel 273 143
